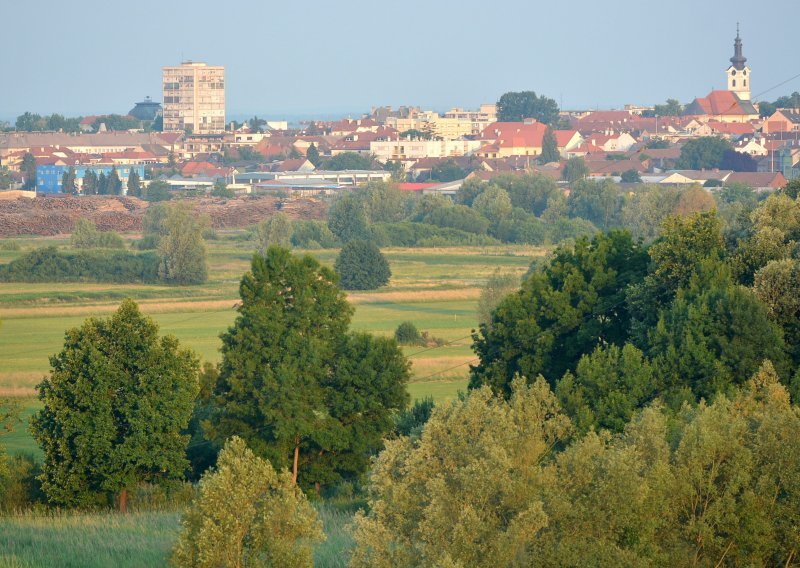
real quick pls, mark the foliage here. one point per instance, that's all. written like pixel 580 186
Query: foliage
pixel 738 162
pixel 28 169
pixel 560 313
pixel 574 169
pixel 86 236
pixel 630 176
pixel 362 266
pixel 277 230
pixel 517 106
pixel 247 514
pixel 646 208
pixel 114 405
pixel 349 161
pixel 599 202
pixel 287 361
pixel 48 264
pixel 447 170
pixel 312 234
pixel 777 285
pixel 429 498
pixel 383 202
pixel 549 147
pixel 672 107
pixel 694 200
pixel 182 250
pixel 134 185
pixel 494 204
pixel 312 155
pixel 497 287
pixel 407 334
pixel 411 422
pixel 113 183
pixel 459 217
pixel 704 153
pixel 68 182
pixel 221 189
pixel 157 190
pixel 409 234
pixel 347 219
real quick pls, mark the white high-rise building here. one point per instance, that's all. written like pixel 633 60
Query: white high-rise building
pixel 194 98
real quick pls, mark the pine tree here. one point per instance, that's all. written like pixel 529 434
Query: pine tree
pixel 312 154
pixel 68 182
pixel 28 169
pixel 114 408
pixel 89 183
pixel 114 183
pixel 102 184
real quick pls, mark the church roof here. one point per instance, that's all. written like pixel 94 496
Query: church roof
pixel 738 60
pixel 721 103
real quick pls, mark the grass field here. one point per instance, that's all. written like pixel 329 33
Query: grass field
pixel 436 289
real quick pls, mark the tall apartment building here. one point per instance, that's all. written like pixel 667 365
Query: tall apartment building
pixel 194 98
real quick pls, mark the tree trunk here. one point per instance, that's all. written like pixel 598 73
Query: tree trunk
pixel 123 501
pixel 296 459
pixel 316 488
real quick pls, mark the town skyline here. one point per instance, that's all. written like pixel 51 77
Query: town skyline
pixel 302 70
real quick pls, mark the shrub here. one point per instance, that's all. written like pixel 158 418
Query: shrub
pixel 362 266
pixel 312 235
pixel 48 264
pixel 247 514
pixel 158 191
pixel 85 236
pixel 407 334
pixel 21 489
pixel 410 422
pixel 9 245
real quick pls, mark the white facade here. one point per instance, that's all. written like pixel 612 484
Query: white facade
pixel 194 98
pixel 416 149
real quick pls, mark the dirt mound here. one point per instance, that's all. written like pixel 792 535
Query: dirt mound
pixel 57 215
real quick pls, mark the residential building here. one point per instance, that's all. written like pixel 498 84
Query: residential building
pixel 49 175
pixel 194 98
pixel 782 120
pixel 405 149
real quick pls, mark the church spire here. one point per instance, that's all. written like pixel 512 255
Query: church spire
pixel 738 60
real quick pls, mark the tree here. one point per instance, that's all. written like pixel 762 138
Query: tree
pixel 247 514
pixel 134 185
pixel 561 313
pixel 68 182
pixel 182 250
pixel 517 106
pixel 102 184
pixel 407 334
pixel 777 285
pixel 157 190
pixel 738 162
pixel 6 178
pixel 494 204
pixel 28 169
pixel 549 147
pixel 221 189
pixel 695 200
pixel 791 189
pixel 383 202
pixel 28 122
pixel 277 230
pixel 630 176
pixel 575 169
pixel 703 153
pixel 312 155
pixel 347 219
pixel 348 161
pixel 89 183
pixel 114 407
pixel 114 184
pixel 429 498
pixel 497 287
pixel 255 124
pixel 85 236
pixel 362 266
pixel 672 107
pixel 447 170
pixel 597 201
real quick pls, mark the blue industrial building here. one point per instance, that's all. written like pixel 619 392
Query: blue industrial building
pixel 48 176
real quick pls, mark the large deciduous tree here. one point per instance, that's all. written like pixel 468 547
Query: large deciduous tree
pixel 114 408
pixel 517 106
pixel 182 249
pixel 703 153
pixel 347 219
pixel 287 363
pixel 362 266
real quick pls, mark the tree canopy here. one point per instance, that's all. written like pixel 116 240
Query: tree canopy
pixel 362 266
pixel 517 106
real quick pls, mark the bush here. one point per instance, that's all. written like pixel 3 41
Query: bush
pixel 85 236
pixel 48 264
pixel 410 234
pixel 407 334
pixel 362 266
pixel 158 191
pixel 410 422
pixel 9 246
pixel 22 489
pixel 312 235
pixel 147 242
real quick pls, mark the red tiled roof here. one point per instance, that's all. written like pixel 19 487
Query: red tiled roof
pixel 720 103
pixel 415 186
pixel 757 179
pixel 515 134
pixel 734 128
pixel 563 137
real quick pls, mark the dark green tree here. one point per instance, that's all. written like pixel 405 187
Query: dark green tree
pixel 575 169
pixel 312 155
pixel 134 185
pixel 703 153
pixel 114 184
pixel 517 106
pixel 102 184
pixel 349 161
pixel 68 182
pixel 561 313
pixel 114 407
pixel 182 250
pixel 597 201
pixel 28 122
pixel 362 266
pixel 28 169
pixel 157 190
pixel 630 176
pixel 89 183
pixel 347 219
pixel 672 107
pixel 447 170
pixel 549 147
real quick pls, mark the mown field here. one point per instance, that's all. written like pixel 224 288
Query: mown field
pixel 437 289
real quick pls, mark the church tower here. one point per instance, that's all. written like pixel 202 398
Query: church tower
pixel 739 72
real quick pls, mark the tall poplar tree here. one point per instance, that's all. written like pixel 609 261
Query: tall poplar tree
pixel 549 147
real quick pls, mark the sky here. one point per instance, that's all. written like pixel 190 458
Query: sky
pixel 340 57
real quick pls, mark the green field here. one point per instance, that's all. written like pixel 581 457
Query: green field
pixel 437 289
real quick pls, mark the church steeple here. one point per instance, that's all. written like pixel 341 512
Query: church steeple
pixel 738 60
pixel 738 72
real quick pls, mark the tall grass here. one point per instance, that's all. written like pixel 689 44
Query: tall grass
pixel 336 521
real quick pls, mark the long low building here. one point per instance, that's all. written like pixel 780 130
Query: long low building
pixel 343 177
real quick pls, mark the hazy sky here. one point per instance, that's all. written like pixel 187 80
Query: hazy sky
pixel 337 56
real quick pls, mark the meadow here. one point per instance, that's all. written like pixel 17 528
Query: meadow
pixel 436 289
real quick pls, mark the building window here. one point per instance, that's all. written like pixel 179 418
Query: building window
pixel 734 82
pixel 745 82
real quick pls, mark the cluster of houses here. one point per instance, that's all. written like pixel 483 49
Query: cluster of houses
pixel 418 144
